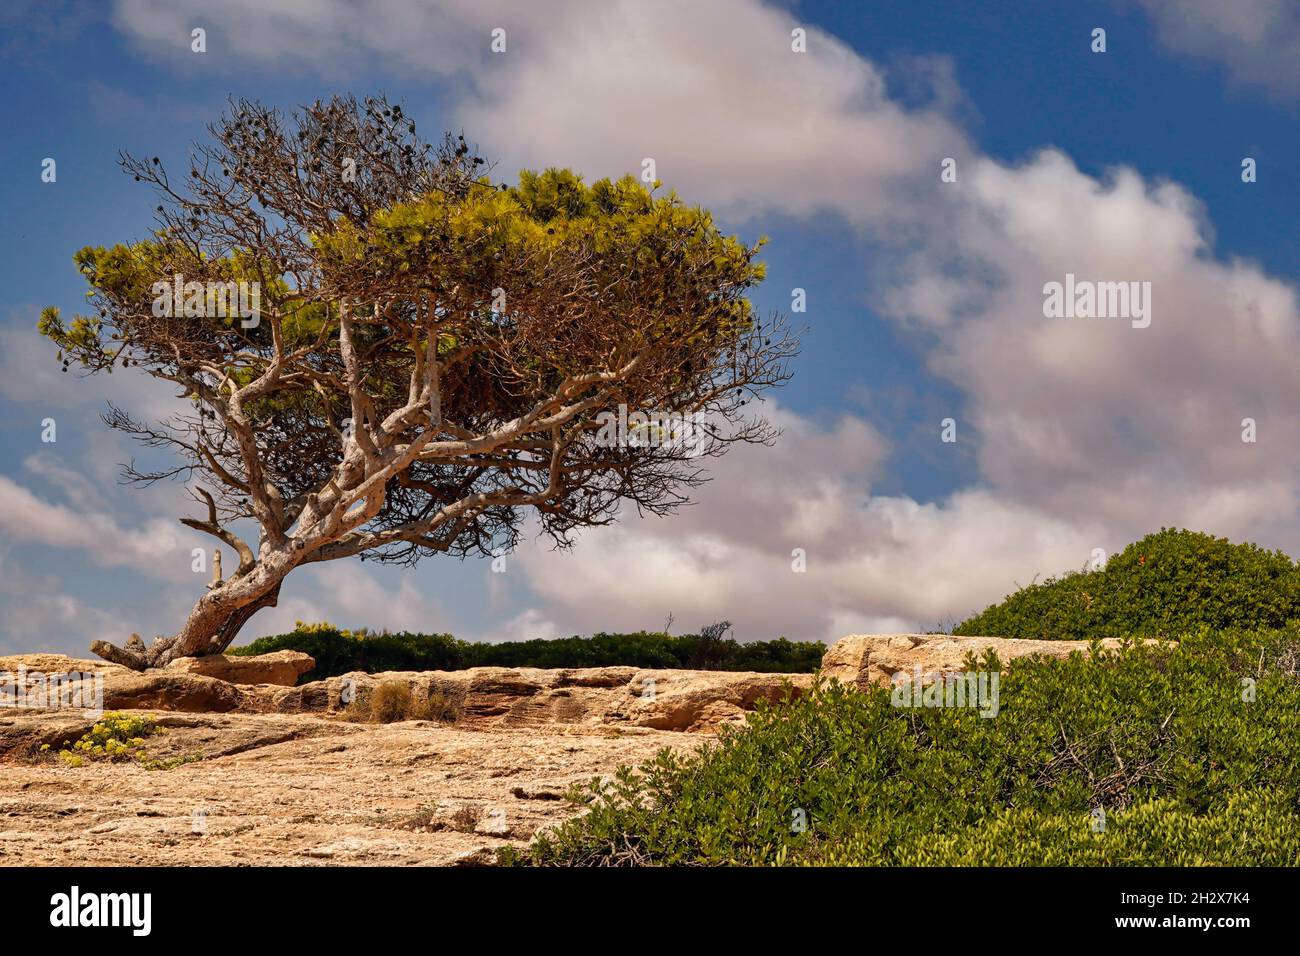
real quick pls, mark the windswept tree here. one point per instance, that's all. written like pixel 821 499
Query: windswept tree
pixel 388 355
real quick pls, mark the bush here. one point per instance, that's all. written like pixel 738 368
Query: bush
pixel 1165 585
pixel 390 702
pixel 338 651
pixel 114 737
pixel 1190 763
pixel 436 706
pixel 393 700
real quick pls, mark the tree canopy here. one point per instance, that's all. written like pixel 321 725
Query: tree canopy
pixel 430 353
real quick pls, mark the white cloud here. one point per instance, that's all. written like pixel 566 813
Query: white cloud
pixel 30 376
pixel 1132 427
pixel 873 562
pixel 36 616
pixel 714 94
pixel 711 91
pixel 59 623
pixel 73 485
pixel 158 547
pixel 1258 41
pixel 346 594
pixel 1090 432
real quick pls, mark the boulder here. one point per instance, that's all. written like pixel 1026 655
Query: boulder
pixel 282 668
pixel 860 660
pixel 637 699
pixel 163 689
pixel 588 696
pixel 55 664
pixel 123 688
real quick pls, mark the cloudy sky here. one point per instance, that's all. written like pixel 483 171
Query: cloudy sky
pixel 924 296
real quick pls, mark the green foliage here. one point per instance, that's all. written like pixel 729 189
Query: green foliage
pixel 115 737
pixel 338 651
pixel 1188 767
pixel 1167 584
pixel 1252 828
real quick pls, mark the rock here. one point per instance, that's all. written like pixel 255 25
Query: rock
pixel 282 668
pixel 55 664
pixel 163 689
pixel 23 733
pixel 864 659
pixel 704 700
pixel 283 790
pixel 507 697
pixel 480 856
pixel 587 697
pixel 125 689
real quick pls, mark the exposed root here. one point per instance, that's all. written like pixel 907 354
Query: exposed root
pixel 134 654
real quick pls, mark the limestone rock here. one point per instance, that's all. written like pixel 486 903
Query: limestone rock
pixel 282 668
pixel 55 664
pixel 589 696
pixel 617 697
pixel 163 689
pixel 864 659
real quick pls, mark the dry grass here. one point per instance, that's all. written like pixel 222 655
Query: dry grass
pixel 393 701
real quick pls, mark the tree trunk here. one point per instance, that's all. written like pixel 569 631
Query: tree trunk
pixel 210 629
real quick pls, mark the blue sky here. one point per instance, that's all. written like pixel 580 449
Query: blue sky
pixel 924 297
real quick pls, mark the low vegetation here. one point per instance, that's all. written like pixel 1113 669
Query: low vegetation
pixel 338 651
pixel 394 700
pixel 116 737
pixel 1166 584
pixel 1151 754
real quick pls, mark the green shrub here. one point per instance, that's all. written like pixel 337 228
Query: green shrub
pixel 337 651
pixel 1252 828
pixel 1189 762
pixel 1165 585
pixel 114 737
pixel 117 737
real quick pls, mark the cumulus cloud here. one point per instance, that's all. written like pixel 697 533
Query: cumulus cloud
pixel 158 547
pixel 1133 427
pixel 712 92
pixel 1257 41
pixel 1090 432
pixel 873 563
pixel 346 594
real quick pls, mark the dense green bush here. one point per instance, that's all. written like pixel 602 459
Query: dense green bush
pixel 1189 749
pixel 337 651
pixel 1166 584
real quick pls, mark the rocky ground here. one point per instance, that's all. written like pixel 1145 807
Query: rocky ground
pixel 277 774
pixel 282 777
pixel 279 789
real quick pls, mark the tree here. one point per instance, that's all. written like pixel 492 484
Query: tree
pixel 430 356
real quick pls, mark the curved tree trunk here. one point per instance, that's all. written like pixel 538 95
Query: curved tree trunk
pixel 212 625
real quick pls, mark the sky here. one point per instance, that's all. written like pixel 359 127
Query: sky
pixel 924 292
